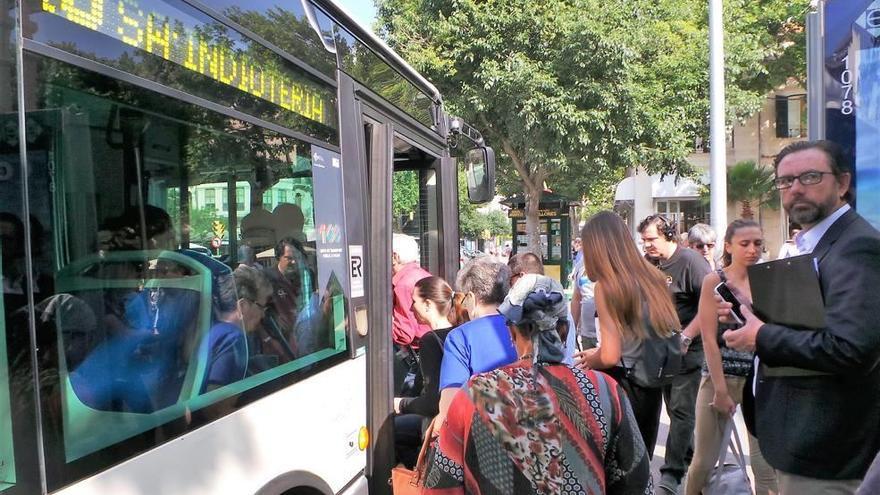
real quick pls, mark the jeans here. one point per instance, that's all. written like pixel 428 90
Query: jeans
pixel 680 398
pixel 408 438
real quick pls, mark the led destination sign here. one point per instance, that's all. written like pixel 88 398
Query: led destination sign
pixel 208 49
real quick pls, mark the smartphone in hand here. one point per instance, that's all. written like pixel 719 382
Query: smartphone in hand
pixel 736 311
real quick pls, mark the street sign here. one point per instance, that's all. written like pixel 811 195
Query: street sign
pixel 218 228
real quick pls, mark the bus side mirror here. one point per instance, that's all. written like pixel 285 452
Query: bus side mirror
pixel 480 170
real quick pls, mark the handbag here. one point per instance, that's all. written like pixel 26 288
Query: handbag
pixel 729 479
pixel 406 481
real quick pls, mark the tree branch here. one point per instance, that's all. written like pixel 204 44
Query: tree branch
pixel 521 168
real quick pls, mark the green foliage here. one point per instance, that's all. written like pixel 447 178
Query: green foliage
pixel 574 92
pixel 469 225
pixel 749 183
pixel 472 223
pixel 404 195
pixel 200 221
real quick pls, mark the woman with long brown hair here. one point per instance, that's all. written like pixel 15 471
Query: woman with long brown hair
pixel 434 304
pixel 632 299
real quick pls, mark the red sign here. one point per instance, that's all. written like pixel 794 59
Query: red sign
pixel 215 243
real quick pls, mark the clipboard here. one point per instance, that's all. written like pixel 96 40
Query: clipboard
pixel 787 292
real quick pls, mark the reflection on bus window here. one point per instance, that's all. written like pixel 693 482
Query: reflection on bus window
pixel 146 308
pixel 7 453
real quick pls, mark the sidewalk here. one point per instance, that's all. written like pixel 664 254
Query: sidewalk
pixel 660 449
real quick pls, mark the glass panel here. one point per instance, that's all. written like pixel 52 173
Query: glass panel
pixel 174 44
pixel 11 257
pixel 147 327
pixel 415 207
pixel 18 466
pixel 360 62
pixel 285 25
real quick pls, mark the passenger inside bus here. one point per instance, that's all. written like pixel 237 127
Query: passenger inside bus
pixel 283 305
pixel 146 331
pixel 12 235
pixel 241 303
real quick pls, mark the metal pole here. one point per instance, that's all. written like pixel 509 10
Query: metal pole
pixel 815 72
pixel 718 150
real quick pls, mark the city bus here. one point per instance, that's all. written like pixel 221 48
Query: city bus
pixel 197 201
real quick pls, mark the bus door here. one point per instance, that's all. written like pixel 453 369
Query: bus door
pixel 405 178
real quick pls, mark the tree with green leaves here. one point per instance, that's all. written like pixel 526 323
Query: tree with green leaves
pixel 575 92
pixel 751 185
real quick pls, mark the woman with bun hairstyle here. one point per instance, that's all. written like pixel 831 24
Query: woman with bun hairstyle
pixel 434 304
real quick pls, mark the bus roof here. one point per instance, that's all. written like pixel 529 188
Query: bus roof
pixel 378 46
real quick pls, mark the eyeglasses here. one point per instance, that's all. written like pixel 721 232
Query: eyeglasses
pixel 807 179
pixel 700 245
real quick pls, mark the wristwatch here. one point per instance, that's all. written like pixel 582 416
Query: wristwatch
pixel 686 341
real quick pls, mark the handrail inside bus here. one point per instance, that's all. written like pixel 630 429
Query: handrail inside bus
pixel 377 45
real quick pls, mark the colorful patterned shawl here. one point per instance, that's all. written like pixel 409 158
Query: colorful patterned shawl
pixel 567 431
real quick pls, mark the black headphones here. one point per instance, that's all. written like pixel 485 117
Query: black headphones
pixel 665 227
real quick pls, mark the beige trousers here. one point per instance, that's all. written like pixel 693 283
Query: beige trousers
pixel 707 441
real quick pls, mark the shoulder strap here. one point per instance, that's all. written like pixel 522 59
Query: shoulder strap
pixel 419 468
pixel 721 275
pixel 734 444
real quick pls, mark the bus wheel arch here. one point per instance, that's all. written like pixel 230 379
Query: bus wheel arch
pixel 296 483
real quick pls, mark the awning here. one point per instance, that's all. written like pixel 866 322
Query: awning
pixel 670 186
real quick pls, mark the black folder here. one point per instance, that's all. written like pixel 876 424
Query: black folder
pixel 787 292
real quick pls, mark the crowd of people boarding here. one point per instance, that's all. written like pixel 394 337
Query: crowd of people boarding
pixel 514 389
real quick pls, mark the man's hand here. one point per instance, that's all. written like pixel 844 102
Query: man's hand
pixel 745 338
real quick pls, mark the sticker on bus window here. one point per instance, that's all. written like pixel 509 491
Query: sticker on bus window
pixel 356 263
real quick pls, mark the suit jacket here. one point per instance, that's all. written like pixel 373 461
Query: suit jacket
pixel 827 425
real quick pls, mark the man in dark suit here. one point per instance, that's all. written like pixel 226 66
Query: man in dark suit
pixel 818 392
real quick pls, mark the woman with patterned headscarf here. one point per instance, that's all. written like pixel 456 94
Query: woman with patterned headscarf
pixel 537 425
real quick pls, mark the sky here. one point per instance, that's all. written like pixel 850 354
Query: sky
pixel 363 11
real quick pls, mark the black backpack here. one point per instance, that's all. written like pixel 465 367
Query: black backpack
pixel 660 362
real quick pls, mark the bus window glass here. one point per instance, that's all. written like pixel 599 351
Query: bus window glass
pixel 285 25
pixel 18 467
pixel 176 287
pixel 415 200
pixel 7 453
pixel 172 43
pixel 361 63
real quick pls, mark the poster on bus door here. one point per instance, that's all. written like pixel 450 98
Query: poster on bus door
pixel 330 239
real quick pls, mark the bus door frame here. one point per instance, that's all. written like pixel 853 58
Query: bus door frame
pixel 388 122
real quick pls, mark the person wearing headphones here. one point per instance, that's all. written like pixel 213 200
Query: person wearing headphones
pixel 684 269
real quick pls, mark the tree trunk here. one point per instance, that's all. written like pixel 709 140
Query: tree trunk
pixel 532 179
pixel 533 226
pixel 747 212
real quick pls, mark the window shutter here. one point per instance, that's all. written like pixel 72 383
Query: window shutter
pixel 781 117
